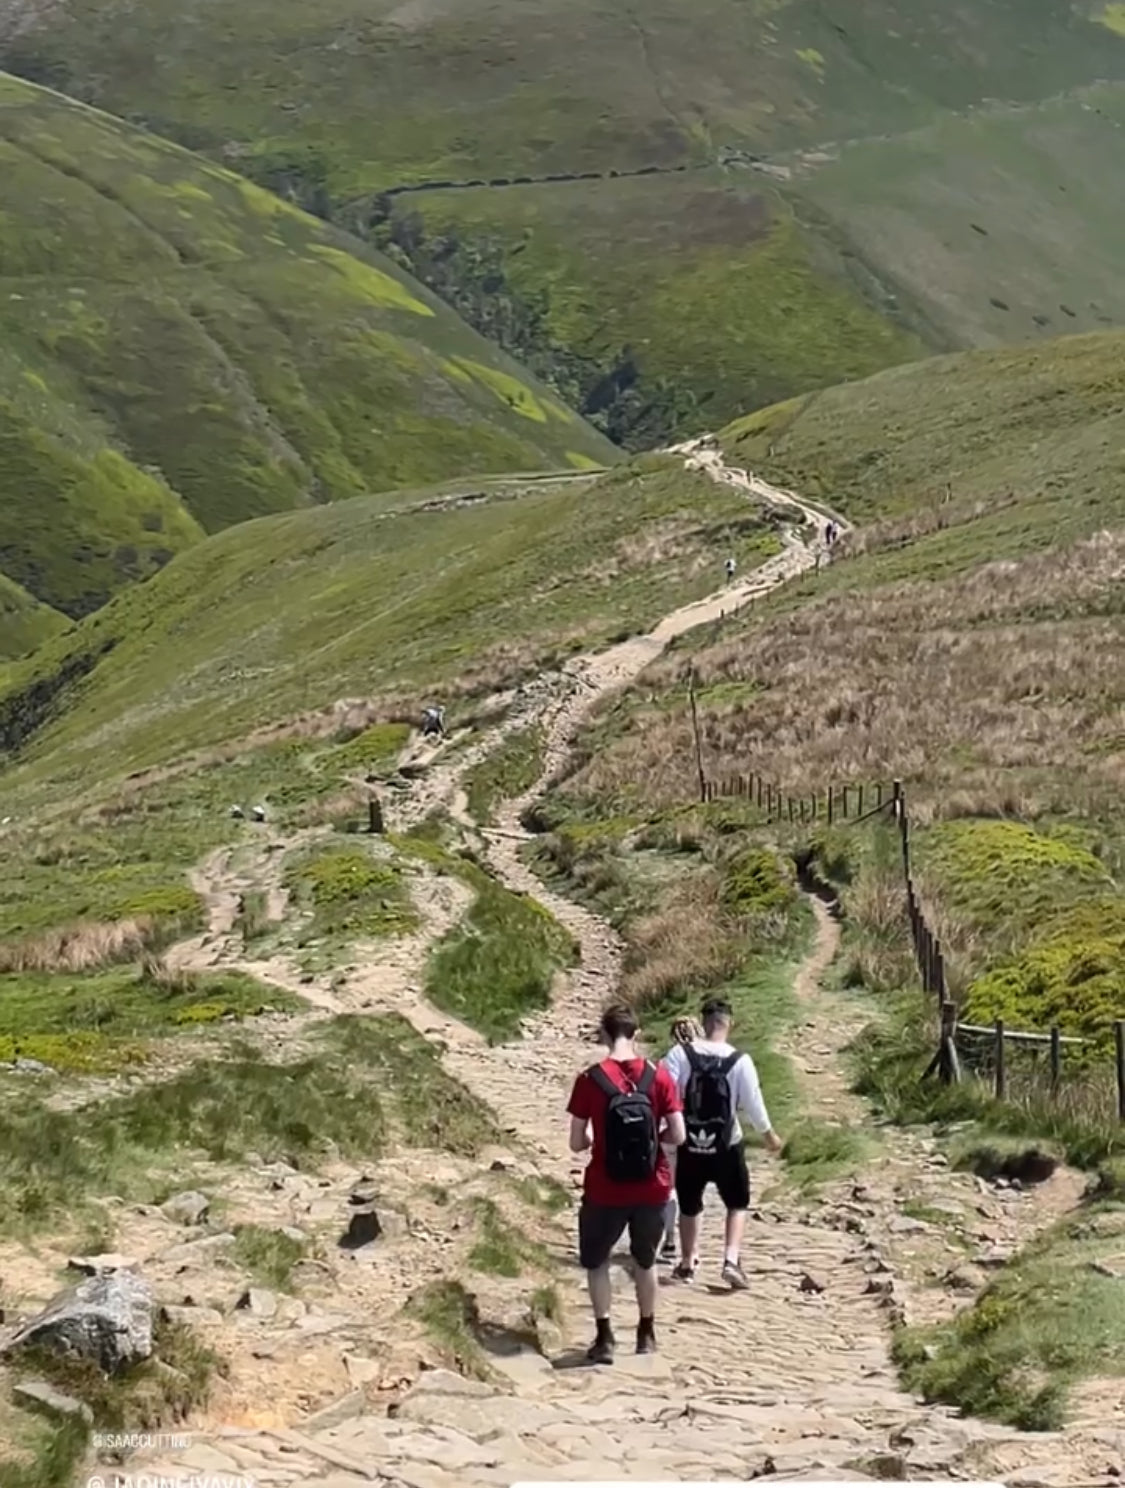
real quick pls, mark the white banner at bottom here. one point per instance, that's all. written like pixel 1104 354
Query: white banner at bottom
pixel 728 1483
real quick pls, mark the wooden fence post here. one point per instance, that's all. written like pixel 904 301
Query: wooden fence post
pixel 878 793
pixel 859 807
pixel 939 969
pixel 831 793
pixel 789 803
pixel 759 791
pixel 695 733
pixel 1001 1070
pixel 1119 1041
pixel 904 830
pixel 374 815
pixel 949 1069
pixel 1056 1061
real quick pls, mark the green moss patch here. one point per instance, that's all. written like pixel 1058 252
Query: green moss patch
pixel 375 749
pixel 1001 873
pixel 1072 977
pixel 351 895
pixel 755 882
pixel 496 968
pixel 510 769
pixel 92 1022
pixel 1055 1316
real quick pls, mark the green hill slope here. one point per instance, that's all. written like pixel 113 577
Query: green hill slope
pixel 24 622
pixel 180 351
pixel 526 88
pixel 790 281
pixel 967 639
pixel 270 619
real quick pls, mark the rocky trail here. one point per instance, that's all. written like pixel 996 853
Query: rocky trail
pixel 791 1379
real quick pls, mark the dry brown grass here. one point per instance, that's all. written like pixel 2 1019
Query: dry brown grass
pixel 81 947
pixel 1002 689
pixel 1087 1092
pixel 936 512
pixel 344 805
pixel 685 945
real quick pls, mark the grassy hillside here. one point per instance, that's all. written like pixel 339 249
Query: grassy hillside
pixel 545 86
pixel 754 286
pixel 24 622
pixel 271 619
pixel 969 640
pixel 996 225
pixel 657 302
pixel 182 351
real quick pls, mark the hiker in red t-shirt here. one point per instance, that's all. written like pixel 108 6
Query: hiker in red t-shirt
pixel 618 1108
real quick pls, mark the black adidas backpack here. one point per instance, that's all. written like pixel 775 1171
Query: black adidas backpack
pixel 632 1148
pixel 709 1102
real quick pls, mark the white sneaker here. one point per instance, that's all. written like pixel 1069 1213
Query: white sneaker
pixel 735 1277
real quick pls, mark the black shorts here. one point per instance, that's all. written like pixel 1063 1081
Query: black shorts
pixel 601 1226
pixel 726 1170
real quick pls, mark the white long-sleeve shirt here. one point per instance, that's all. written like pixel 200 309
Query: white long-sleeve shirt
pixel 745 1087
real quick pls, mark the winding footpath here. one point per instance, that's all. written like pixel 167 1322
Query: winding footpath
pixel 792 1379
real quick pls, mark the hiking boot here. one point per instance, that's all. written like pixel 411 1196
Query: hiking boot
pixel 735 1277
pixel 646 1338
pixel 601 1350
pixel 684 1271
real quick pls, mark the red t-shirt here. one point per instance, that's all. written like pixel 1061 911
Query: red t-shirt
pixel 588 1102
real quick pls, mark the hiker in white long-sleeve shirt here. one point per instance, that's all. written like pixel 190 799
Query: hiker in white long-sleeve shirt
pixel 716 1082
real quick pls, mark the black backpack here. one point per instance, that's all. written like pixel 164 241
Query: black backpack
pixel 709 1102
pixel 632 1148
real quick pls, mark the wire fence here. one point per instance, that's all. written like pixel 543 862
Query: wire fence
pixel 983 1047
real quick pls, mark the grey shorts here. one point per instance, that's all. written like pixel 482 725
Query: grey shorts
pixel 601 1226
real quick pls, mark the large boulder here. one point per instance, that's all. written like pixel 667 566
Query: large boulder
pixel 106 1319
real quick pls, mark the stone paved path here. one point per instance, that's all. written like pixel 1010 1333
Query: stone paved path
pixel 790 1379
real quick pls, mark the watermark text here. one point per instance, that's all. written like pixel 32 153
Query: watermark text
pixel 166 1480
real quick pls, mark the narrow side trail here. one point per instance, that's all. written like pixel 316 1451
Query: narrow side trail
pixel 790 1379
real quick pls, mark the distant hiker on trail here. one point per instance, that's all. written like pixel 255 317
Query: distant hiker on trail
pixel 831 533
pixel 715 1082
pixel 433 722
pixel 616 1109
pixel 730 570
pixel 684 1030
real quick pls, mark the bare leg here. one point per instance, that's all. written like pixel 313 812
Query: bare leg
pixel 689 1239
pixel 601 1292
pixel 645 1282
pixel 736 1223
pixel 670 1212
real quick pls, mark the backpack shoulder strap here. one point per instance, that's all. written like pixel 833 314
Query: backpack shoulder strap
pixel 603 1082
pixel 648 1075
pixel 731 1060
pixel 694 1057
